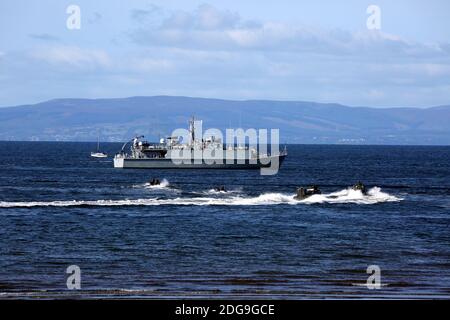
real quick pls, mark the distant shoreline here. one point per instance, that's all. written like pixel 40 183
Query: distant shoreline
pixel 299 122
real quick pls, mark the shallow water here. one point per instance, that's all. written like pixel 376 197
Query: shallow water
pixel 60 207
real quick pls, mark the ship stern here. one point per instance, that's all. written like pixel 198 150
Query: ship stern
pixel 119 161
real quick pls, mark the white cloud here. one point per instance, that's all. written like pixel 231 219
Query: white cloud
pixel 150 64
pixel 208 28
pixel 73 56
pixel 143 15
pixel 217 53
pixel 209 18
pixel 205 17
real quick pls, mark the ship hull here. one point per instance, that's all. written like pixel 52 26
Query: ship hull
pixel 163 163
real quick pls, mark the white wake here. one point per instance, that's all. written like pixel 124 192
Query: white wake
pixel 374 195
pixel 344 196
pixel 162 185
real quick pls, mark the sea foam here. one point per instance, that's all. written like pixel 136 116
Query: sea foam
pixel 374 195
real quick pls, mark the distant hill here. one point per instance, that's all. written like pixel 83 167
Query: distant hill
pixel 299 122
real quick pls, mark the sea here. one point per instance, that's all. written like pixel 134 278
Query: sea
pixel 60 208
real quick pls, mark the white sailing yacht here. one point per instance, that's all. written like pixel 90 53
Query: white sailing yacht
pixel 98 153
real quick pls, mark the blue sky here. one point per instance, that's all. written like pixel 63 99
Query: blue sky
pixel 286 50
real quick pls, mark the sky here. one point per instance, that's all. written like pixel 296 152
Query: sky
pixel 320 51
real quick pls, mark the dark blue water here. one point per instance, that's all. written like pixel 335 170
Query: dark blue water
pixel 59 207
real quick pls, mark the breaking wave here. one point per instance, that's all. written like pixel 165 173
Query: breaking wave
pixel 344 196
pixel 374 195
pixel 163 184
pixel 219 192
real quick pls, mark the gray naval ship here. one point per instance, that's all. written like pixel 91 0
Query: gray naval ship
pixel 209 153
